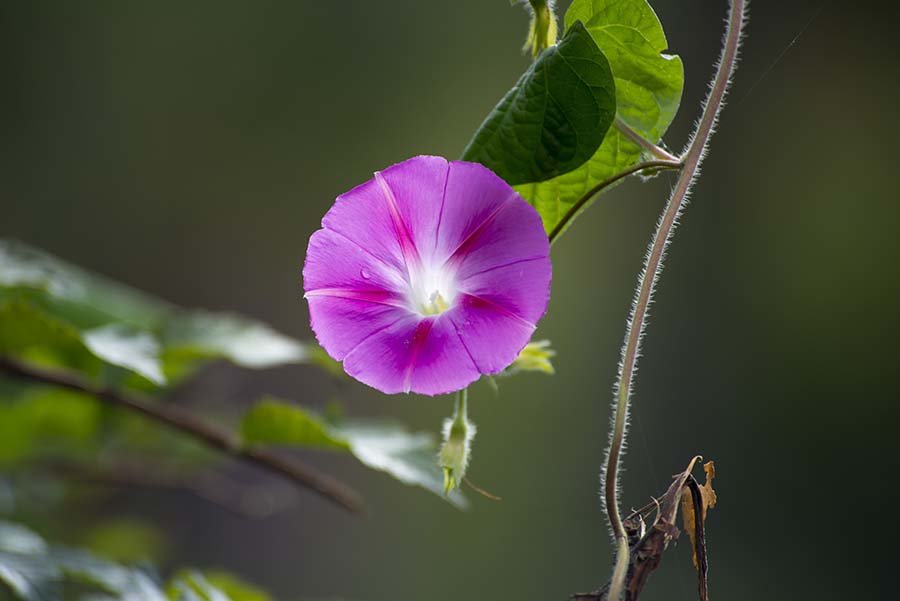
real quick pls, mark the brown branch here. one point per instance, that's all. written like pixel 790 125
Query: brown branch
pixel 176 418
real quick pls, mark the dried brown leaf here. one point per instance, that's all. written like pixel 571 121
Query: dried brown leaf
pixel 687 506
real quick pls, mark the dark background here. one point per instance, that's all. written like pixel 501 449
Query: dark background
pixel 189 149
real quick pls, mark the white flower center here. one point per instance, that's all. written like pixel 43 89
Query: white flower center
pixel 432 289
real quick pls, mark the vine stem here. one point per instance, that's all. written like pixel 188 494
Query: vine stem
pixel 582 202
pixel 176 418
pixel 692 158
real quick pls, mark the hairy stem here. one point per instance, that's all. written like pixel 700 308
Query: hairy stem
pixel 582 202
pixel 648 146
pixel 693 156
pixel 176 418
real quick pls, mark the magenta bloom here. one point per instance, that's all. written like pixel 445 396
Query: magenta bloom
pixel 427 276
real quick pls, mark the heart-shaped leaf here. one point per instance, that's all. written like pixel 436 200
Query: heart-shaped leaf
pixel 554 118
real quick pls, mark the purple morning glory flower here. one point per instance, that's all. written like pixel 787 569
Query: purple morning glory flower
pixel 427 276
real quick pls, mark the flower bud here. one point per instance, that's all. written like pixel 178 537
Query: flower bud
pixel 455 452
pixel 543 29
pixel 534 357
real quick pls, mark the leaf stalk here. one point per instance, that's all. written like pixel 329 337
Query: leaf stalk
pixel 649 147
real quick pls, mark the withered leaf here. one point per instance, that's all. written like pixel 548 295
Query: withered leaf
pixel 687 506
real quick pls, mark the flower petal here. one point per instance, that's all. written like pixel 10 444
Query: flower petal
pixel 473 196
pixel 342 324
pixel 417 186
pixel 334 261
pixel 418 355
pixel 521 287
pixel 513 233
pixel 363 216
pixel 492 334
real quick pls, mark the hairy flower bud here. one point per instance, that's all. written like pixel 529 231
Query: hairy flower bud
pixel 456 450
pixel 543 29
pixel 535 356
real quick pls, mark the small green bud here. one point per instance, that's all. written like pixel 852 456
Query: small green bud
pixel 455 452
pixel 534 357
pixel 543 29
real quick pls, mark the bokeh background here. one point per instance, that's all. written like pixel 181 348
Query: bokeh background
pixel 189 149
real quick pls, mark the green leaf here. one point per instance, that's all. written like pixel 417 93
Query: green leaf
pixel 28 332
pixel 32 570
pixel 193 586
pixel 42 419
pixel 384 446
pixel 126 541
pixel 648 86
pixel 242 341
pixel 64 316
pixel 411 458
pixel 554 118
pixel 125 346
pixel 271 421
pixel 235 588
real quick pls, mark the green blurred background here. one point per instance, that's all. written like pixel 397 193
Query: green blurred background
pixel 190 149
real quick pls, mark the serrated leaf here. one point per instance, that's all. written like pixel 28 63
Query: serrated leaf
pixel 384 446
pixel 648 86
pixel 554 118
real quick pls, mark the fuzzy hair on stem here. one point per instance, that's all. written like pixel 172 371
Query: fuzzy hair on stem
pixel 653 263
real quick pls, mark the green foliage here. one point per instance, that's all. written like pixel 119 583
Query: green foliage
pixel 648 86
pixel 277 422
pixel 32 570
pixel 57 314
pixel 554 118
pixel 126 541
pixel 384 446
pixel 536 356
pixel 235 588
pixel 42 419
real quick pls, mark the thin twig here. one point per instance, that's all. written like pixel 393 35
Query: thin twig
pixel 576 208
pixel 648 146
pixel 187 423
pixel 649 275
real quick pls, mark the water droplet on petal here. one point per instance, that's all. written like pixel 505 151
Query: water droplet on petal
pixel 364 273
